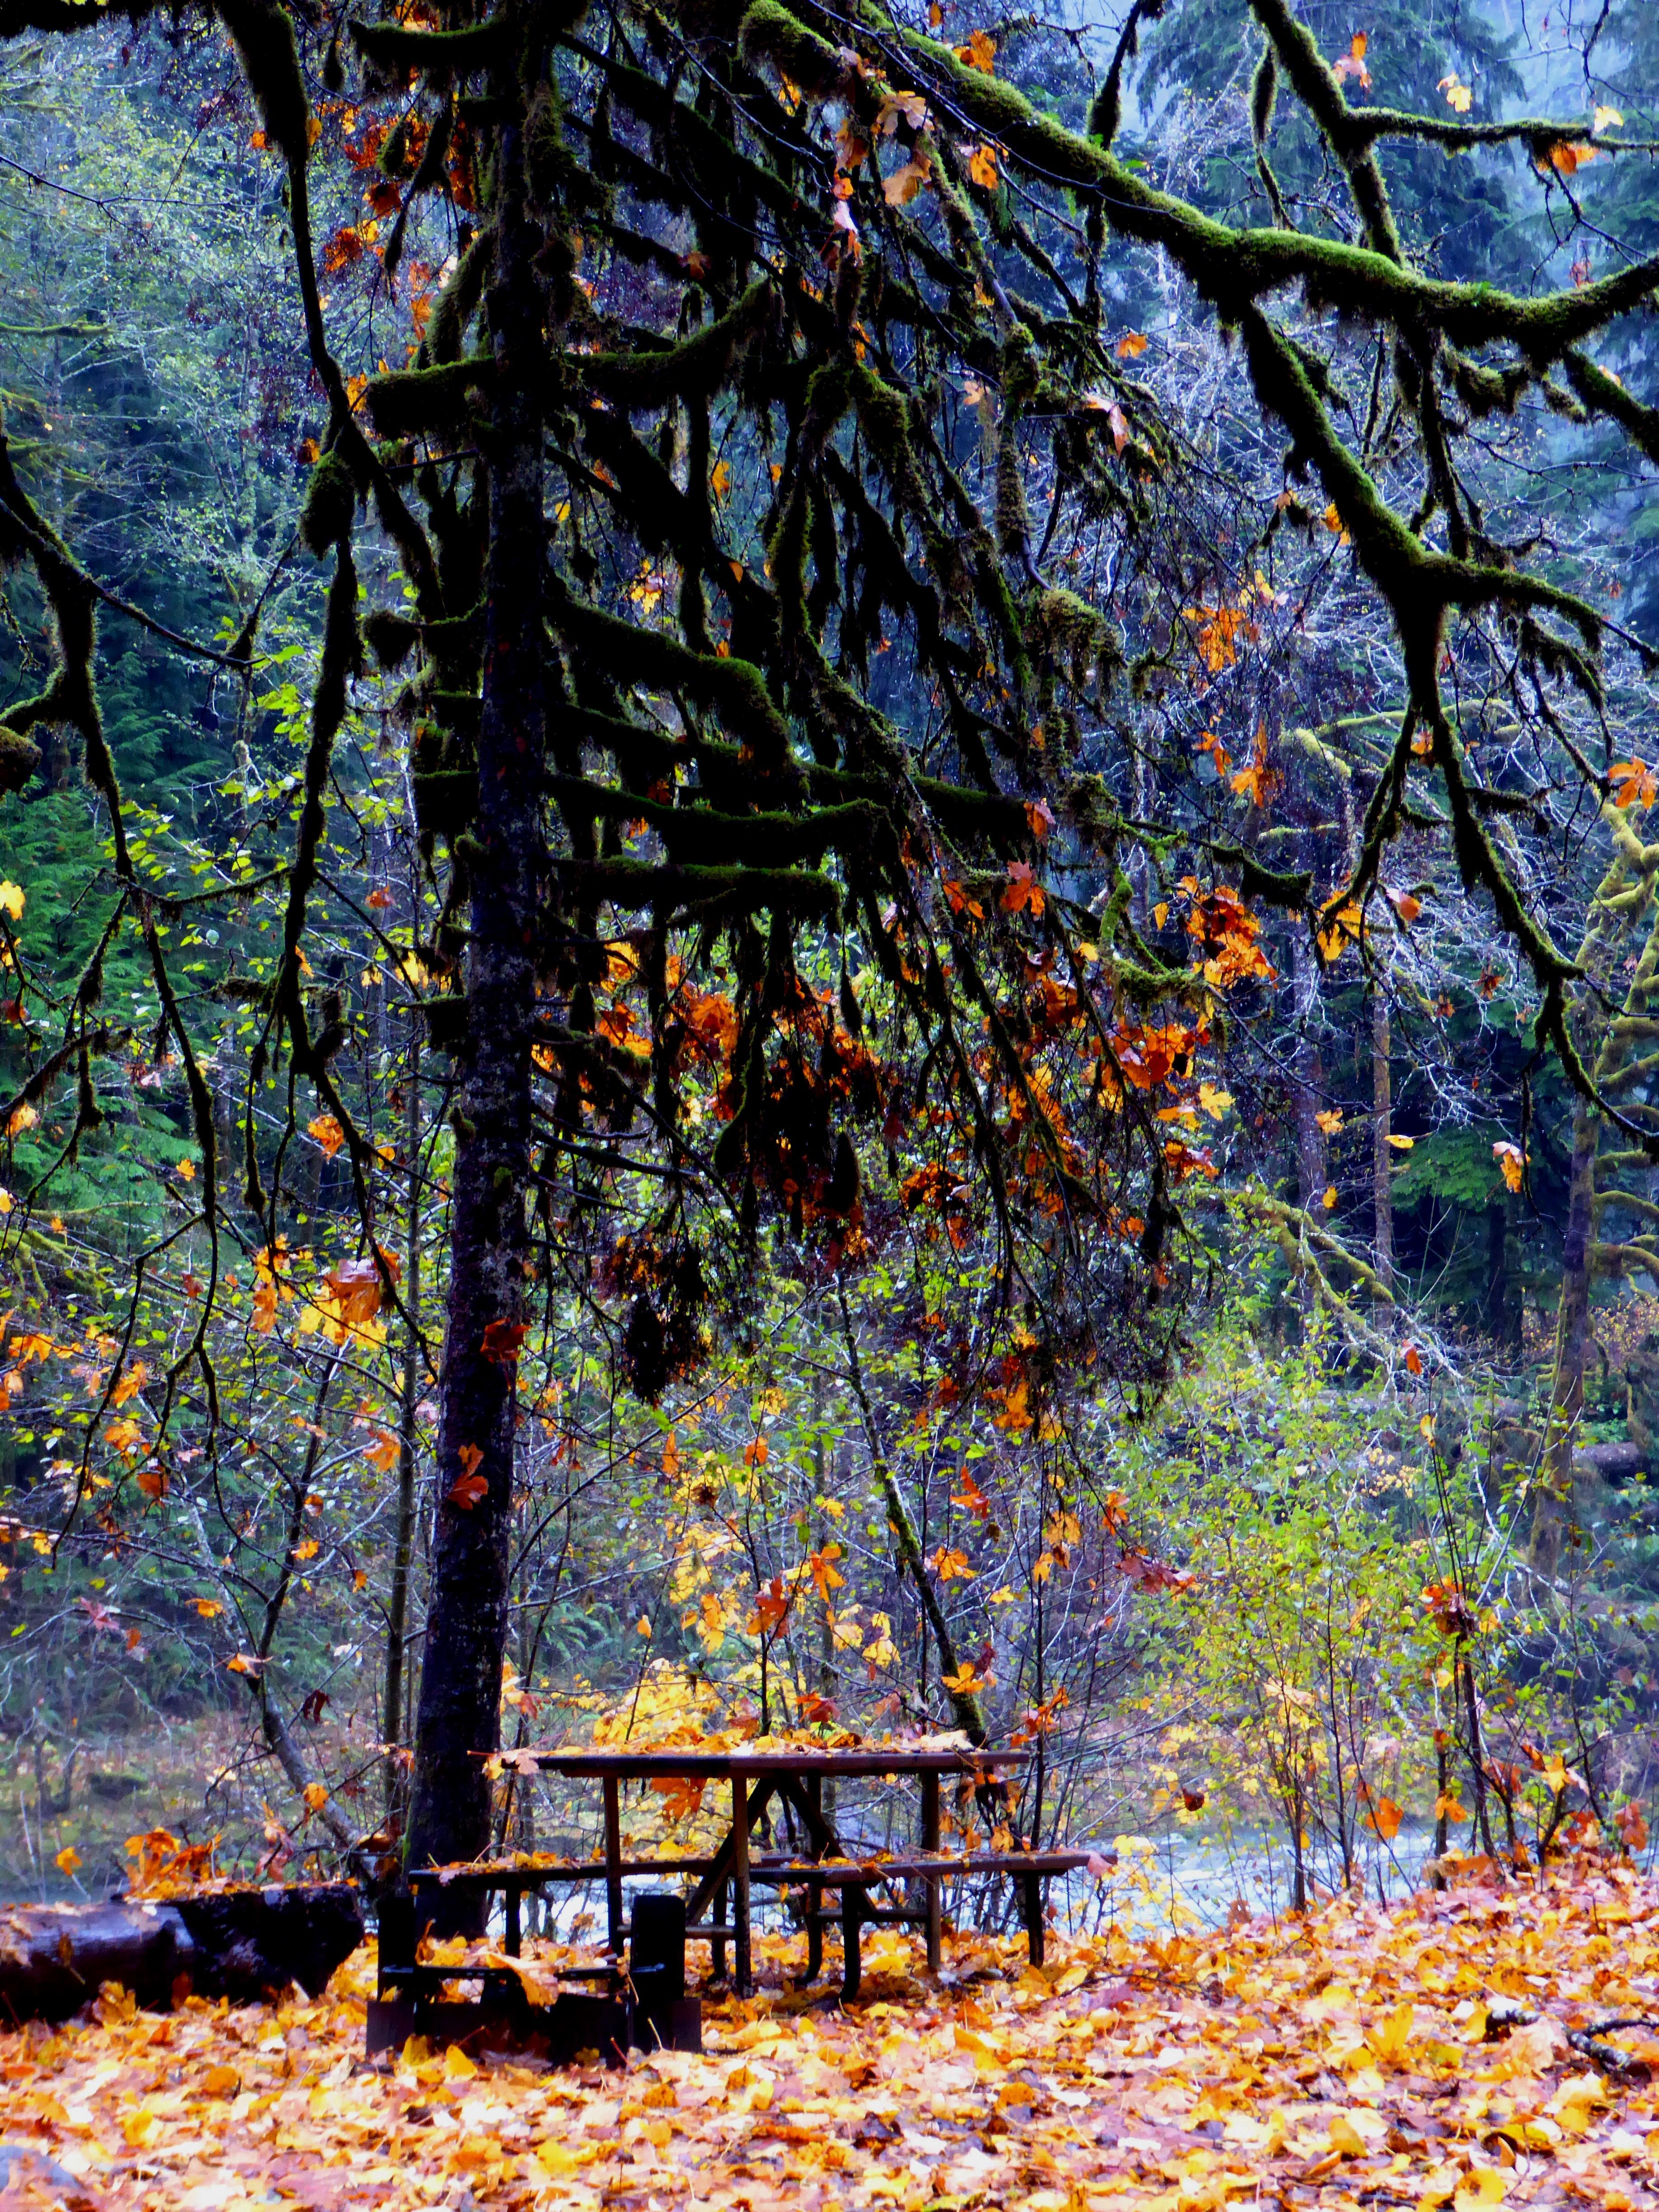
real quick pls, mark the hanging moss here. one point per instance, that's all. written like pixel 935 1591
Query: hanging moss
pixel 19 759
pixel 395 159
pixel 703 893
pixel 437 55
pixel 734 689
pixel 1086 640
pixel 1264 886
pixel 390 638
pixel 331 503
pixel 1014 520
pixel 771 33
pixel 456 303
pixel 263 35
pixel 423 403
pixel 1264 92
pixel 697 367
pixel 547 156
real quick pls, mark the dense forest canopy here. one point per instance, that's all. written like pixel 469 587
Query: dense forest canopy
pixel 828 905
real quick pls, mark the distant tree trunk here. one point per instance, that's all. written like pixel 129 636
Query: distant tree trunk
pixel 1625 900
pixel 1308 1080
pixel 1382 1154
pixel 1553 1516
pixel 57 761
pixel 467 1611
pixel 1503 1312
pixel 402 1545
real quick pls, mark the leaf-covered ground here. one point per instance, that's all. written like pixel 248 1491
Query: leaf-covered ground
pixel 1444 2052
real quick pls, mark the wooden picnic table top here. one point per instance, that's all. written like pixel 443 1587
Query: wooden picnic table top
pixel 807 1760
pixel 529 1871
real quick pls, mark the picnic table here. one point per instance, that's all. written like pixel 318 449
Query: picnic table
pixel 718 1910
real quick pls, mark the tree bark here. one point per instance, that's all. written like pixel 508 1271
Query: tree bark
pixel 460 1712
pixel 1381 1111
pixel 1307 1085
pixel 243 1944
pixel 402 1548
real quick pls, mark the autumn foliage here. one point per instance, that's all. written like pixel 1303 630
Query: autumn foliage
pixel 1478 2046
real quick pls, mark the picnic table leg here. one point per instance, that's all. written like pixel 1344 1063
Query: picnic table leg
pixel 740 1877
pixel 930 1850
pixel 722 1918
pixel 613 1889
pixel 814 1932
pixel 512 1902
pixel 851 1900
pixel 1032 1884
pixel 814 1889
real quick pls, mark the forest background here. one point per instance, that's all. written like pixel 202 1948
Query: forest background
pixel 1253 1411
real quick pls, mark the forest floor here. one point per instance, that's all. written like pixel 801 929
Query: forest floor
pixel 1454 2050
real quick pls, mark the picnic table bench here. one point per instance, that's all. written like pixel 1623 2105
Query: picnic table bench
pixel 718 1910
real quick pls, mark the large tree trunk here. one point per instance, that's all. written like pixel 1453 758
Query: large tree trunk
pixel 402 1543
pixel 243 1944
pixel 467 1607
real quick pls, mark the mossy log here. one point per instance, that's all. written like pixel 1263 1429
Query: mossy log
pixel 243 1944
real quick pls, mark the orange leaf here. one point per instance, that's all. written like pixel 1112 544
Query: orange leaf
pixel 130 1383
pixel 381 1450
pixel 1131 346
pixel 501 1340
pixel 772 1604
pixel 466 1492
pixel 1637 784
pixel 1352 64
pixel 328 1133
pixel 1022 890
pixel 982 168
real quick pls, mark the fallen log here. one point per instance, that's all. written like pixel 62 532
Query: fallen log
pixel 243 1944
